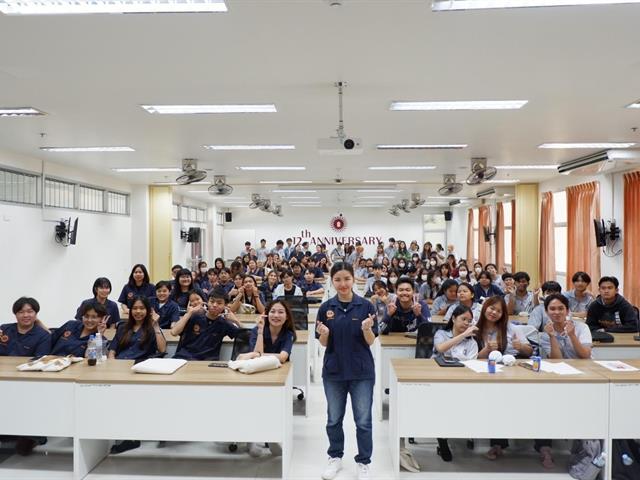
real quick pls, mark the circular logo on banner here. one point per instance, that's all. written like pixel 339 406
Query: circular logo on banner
pixel 338 224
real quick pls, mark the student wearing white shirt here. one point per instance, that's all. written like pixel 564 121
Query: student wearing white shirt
pixel 495 277
pixel 289 249
pixel 579 298
pixel 262 252
pixel 538 316
pixel 287 287
pixel 457 338
pixel 562 338
pixel 520 299
pixel 465 298
pixel 447 296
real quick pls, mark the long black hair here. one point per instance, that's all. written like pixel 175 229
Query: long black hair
pixel 145 280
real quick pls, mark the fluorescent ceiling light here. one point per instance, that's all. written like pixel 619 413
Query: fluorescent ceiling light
pixel 284 181
pixel 588 145
pixel 293 191
pixel 502 181
pixel 453 146
pixel 19 111
pixel 526 167
pixel 226 148
pixel 368 206
pixel 389 181
pixel 300 197
pixel 201 109
pixel 303 206
pixel 381 196
pixel 150 169
pixel 67 7
pixel 448 198
pixel 379 191
pixel 407 167
pixel 238 202
pixel 301 202
pixel 249 169
pixel 87 149
pixel 435 204
pixel 459 105
pixel 449 5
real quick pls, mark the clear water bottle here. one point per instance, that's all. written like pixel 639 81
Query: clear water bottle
pixel 92 353
pixel 98 344
pixel 599 461
pixel 626 459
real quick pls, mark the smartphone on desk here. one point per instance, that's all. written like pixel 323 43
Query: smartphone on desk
pixel 219 364
pixel 526 365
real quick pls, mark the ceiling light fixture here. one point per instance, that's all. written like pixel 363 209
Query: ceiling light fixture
pixel 450 5
pixel 373 197
pixel 303 205
pixel 150 169
pixel 378 191
pixel 389 181
pixel 86 149
pixel 526 167
pixel 300 197
pixel 20 111
pixel 459 105
pixel 205 109
pixel 293 191
pixel 70 7
pixel 230 148
pixel 453 146
pixel 258 169
pixel 448 197
pixel 601 145
pixel 502 181
pixel 407 167
pixel 282 182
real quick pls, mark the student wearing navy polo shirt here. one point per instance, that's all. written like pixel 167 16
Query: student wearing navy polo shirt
pixel 313 266
pixel 101 290
pixel 166 310
pixel 26 337
pixel 269 285
pixel 309 286
pixel 248 296
pixel 346 327
pixel 72 337
pixel 138 284
pixel 405 314
pixel 276 323
pixel 184 285
pixel 201 280
pixel 202 330
pixel 224 280
pixel 140 337
pixel 485 287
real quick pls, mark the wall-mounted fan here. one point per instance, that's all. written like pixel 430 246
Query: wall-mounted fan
pixel 404 205
pixel 394 211
pixel 278 210
pixel 480 171
pixel 219 187
pixel 190 172
pixel 416 200
pixel 450 186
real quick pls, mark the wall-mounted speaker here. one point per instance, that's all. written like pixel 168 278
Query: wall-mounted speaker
pixel 448 215
pixel 228 217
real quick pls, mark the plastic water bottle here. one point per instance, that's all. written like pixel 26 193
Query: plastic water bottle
pixel 98 344
pixel 92 353
pixel 600 460
pixel 626 459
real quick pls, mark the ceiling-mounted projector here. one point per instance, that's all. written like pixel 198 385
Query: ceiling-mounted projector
pixel 339 146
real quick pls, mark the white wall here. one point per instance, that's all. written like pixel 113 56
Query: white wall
pixel 297 223
pixel 457 231
pixel 611 207
pixel 58 277
pixel 180 249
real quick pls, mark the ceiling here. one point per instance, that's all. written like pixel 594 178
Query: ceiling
pixel 577 66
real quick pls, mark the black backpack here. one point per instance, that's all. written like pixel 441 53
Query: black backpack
pixel 620 471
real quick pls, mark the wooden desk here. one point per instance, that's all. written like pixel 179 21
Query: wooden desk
pixel 624 347
pixel 194 391
pixel 419 384
pixel 439 319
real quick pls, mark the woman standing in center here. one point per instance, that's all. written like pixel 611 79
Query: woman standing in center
pixel 346 327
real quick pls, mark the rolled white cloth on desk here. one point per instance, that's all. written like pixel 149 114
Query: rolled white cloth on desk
pixel 48 363
pixel 159 366
pixel 260 364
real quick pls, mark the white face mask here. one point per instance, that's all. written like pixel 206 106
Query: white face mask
pixel 478 270
pixel 463 273
pixel 424 277
pixel 432 263
pixel 402 265
pixel 393 280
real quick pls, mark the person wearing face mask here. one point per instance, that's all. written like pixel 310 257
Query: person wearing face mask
pixel 392 280
pixel 463 275
pixel 477 270
pixel 402 266
pixel 201 280
pixel 447 296
pixel 433 263
pixel 538 316
pixel 405 314
pixel 579 298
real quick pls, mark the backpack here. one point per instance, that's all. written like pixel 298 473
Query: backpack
pixel 583 452
pixel 620 471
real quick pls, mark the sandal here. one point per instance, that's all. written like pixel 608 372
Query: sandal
pixel 494 452
pixel 546 458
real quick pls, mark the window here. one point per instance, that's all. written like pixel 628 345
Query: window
pixel 91 199
pixel 508 234
pixel 435 229
pixel 117 203
pixel 59 194
pixel 176 211
pixel 18 187
pixel 560 234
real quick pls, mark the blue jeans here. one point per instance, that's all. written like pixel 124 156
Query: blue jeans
pixel 361 392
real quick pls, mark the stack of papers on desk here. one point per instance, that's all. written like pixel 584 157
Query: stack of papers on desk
pixel 480 366
pixel 617 366
pixel 560 368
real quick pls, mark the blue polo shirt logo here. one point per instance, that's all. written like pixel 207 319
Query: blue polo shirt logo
pixel 130 295
pixel 330 314
pixel 4 339
pixel 67 334
pixel 196 329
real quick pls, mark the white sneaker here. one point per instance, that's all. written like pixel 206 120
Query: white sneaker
pixel 332 468
pixel 363 471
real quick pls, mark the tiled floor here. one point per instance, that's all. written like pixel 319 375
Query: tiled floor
pixel 197 461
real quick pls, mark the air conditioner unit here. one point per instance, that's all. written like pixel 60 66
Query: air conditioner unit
pixel 486 193
pixel 600 162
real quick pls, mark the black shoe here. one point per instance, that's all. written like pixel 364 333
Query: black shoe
pixel 25 445
pixel 471 444
pixel 125 446
pixel 444 451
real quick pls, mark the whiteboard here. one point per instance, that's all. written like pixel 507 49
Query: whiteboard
pixel 233 241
